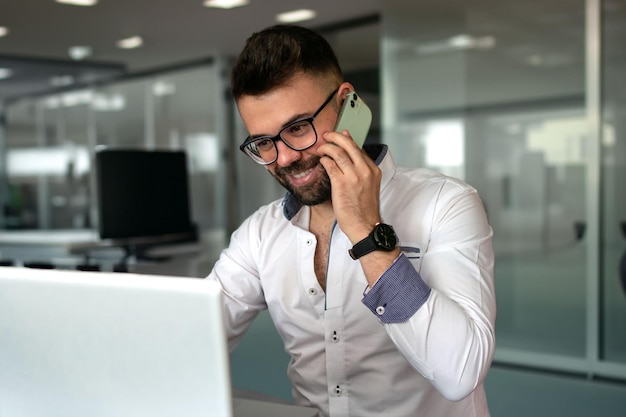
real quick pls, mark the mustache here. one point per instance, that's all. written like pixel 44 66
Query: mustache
pixel 298 166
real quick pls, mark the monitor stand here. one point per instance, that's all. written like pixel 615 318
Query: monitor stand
pixel 137 253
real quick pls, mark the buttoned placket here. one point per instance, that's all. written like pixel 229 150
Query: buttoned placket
pixel 309 244
pixel 334 327
pixel 330 306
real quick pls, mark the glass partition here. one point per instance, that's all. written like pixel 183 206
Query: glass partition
pixel 613 286
pixel 47 164
pixel 50 142
pixel 497 93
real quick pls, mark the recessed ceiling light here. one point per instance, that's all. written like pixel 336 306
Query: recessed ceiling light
pixel 79 52
pixel 225 4
pixel 5 73
pixel 78 2
pixel 296 16
pixel 130 43
pixel 4 31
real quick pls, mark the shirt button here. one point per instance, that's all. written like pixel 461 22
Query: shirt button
pixel 334 336
pixel 338 391
pixel 380 310
pixel 309 242
pixel 312 291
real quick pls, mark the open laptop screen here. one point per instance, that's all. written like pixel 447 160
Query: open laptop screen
pixel 107 344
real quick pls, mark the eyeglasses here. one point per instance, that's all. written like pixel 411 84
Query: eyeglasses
pixel 298 135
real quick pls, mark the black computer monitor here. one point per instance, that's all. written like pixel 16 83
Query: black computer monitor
pixel 143 197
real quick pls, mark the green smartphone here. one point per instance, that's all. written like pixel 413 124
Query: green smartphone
pixel 355 117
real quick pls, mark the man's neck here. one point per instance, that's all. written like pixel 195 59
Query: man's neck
pixel 322 214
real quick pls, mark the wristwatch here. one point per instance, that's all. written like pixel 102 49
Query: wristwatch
pixel 383 237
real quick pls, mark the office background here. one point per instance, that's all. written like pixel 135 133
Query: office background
pixel 524 100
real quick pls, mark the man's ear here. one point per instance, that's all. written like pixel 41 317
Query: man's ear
pixel 344 90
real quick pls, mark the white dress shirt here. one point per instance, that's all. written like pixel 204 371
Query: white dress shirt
pixel 418 343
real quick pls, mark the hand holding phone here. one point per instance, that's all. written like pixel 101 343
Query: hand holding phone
pixel 355 117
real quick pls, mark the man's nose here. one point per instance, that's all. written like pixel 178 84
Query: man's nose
pixel 286 155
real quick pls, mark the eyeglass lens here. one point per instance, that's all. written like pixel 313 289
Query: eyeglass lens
pixel 298 136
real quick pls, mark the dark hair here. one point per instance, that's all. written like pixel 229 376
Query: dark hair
pixel 274 55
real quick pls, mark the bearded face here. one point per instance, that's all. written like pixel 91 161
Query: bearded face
pixel 311 194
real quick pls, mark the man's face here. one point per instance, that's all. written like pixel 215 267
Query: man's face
pixel 298 171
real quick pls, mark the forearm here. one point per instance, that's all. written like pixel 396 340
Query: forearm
pixel 446 345
pixel 444 325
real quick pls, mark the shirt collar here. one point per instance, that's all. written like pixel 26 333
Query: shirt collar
pixel 378 153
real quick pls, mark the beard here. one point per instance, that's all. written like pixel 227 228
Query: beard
pixel 310 194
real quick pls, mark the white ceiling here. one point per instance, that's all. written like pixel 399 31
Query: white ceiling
pixel 173 30
pixel 179 31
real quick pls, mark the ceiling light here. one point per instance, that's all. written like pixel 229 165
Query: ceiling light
pixel 61 80
pixel 225 4
pixel 549 59
pixel 296 16
pixel 70 99
pixel 4 31
pixel 114 102
pixel 455 43
pixel 471 42
pixel 461 41
pixel 163 88
pixel 79 52
pixel 76 98
pixel 130 43
pixel 5 73
pixel 78 2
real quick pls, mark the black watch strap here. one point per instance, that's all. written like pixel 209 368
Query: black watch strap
pixel 383 237
pixel 363 247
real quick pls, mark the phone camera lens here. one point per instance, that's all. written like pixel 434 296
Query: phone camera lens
pixel 352 103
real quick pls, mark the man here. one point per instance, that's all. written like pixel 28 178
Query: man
pixel 406 328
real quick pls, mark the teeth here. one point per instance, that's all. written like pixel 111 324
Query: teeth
pixel 302 174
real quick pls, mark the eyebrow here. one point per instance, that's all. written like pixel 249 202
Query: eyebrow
pixel 293 119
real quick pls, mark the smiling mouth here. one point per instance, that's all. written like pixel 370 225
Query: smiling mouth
pixel 302 174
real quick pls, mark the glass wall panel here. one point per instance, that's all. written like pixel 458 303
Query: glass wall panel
pixel 20 201
pixel 48 163
pixel 185 107
pixel 493 92
pixel 614 172
pixel 51 141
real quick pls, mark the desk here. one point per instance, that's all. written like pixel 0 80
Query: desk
pixel 54 246
pixel 65 249
pixel 246 407
pixel 56 237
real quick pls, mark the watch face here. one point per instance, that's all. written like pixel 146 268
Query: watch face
pixel 385 237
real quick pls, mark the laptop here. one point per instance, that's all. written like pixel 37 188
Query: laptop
pixel 76 343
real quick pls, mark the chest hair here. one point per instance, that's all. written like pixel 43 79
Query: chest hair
pixel 322 233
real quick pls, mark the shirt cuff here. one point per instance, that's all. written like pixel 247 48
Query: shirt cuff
pixel 398 293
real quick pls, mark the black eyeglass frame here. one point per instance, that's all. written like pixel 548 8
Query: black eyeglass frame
pixel 278 137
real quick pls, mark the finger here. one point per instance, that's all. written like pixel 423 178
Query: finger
pixel 345 141
pixel 340 158
pixel 339 145
pixel 330 166
pixel 341 139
